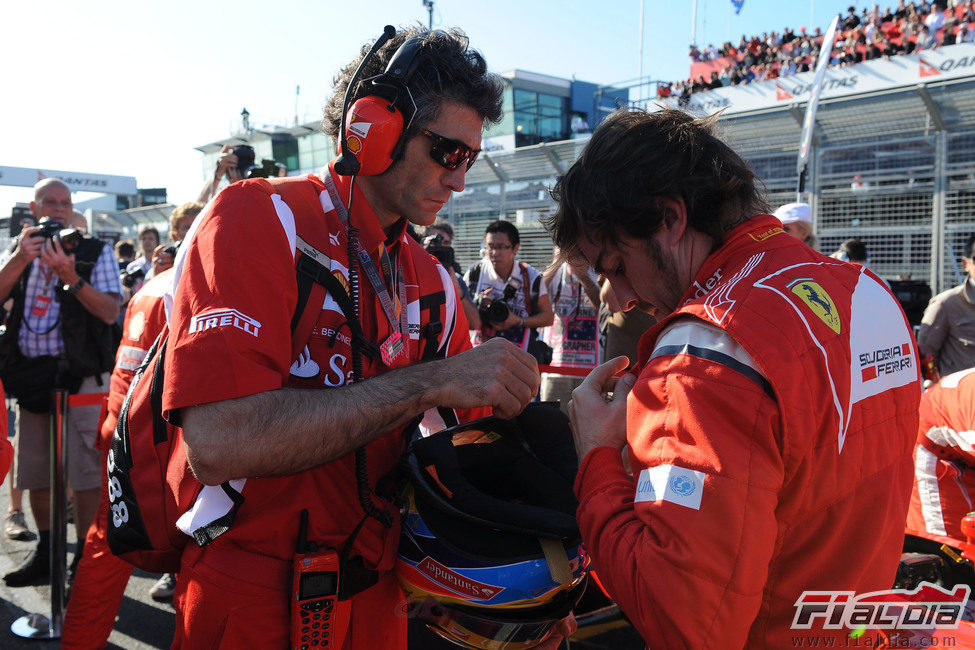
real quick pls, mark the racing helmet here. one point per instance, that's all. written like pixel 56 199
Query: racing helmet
pixel 490 553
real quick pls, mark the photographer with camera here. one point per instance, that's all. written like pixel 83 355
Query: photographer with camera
pixel 510 295
pixel 438 242
pixel 66 292
pixel 137 271
pixel 238 163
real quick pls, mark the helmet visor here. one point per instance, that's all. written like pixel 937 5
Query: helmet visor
pixel 471 630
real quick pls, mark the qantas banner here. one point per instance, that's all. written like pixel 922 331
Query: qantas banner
pixel 929 66
pixel 76 181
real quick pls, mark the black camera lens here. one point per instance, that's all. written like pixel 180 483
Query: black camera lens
pixel 245 159
pixel 69 238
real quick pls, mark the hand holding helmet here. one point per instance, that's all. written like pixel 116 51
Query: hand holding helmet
pixel 490 554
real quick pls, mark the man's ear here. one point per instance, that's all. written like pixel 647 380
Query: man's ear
pixel 675 217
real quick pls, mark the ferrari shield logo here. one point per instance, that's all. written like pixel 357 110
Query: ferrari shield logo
pixel 818 301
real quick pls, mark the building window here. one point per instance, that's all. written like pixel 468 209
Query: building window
pixel 539 117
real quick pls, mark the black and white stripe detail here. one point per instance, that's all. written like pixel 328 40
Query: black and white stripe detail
pixel 705 341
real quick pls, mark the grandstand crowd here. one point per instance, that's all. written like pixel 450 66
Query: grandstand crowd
pixel 873 34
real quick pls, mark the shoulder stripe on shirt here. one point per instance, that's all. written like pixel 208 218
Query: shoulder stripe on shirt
pixel 705 341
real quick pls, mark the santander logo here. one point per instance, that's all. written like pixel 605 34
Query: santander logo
pixel 456 582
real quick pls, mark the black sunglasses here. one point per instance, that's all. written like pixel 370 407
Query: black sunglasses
pixel 449 153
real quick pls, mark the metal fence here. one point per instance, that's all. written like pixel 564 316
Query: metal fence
pixel 895 170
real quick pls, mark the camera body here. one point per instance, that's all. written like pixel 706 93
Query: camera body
pixel 130 278
pixel 248 168
pixel 497 310
pixel 69 238
pixel 434 245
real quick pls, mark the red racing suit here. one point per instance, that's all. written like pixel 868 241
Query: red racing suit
pixel 770 432
pixel 6 449
pixel 230 337
pixel 101 577
pixel 944 459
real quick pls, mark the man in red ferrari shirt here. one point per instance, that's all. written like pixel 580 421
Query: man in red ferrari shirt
pixel 943 482
pixel 769 422
pixel 280 429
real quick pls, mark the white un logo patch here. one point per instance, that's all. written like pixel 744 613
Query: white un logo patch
pixel 673 483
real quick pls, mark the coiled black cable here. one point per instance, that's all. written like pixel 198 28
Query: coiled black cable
pixel 361 462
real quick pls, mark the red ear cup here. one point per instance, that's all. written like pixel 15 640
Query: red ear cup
pixel 374 128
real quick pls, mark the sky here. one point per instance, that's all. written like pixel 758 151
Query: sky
pixel 130 88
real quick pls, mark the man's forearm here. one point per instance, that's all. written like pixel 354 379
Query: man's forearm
pixel 292 429
pixel 289 430
pixel 101 305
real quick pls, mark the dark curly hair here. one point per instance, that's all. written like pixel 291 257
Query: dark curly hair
pixel 448 69
pixel 633 158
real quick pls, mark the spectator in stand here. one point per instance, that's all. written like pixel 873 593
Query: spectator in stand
pixel 936 19
pixel 948 34
pixel 927 40
pixel 870 33
pixel 901 12
pixel 947 331
pixel 968 32
pixel 805 47
pixel 694 54
pixel 852 20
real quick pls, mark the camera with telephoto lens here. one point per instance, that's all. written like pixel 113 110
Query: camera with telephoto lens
pixel 496 311
pixel 50 228
pixel 434 245
pixel 248 168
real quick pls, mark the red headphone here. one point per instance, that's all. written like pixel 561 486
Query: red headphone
pixel 373 129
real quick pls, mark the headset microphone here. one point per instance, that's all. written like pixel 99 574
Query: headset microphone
pixel 347 164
